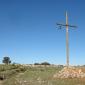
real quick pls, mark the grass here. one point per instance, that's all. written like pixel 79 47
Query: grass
pixel 40 76
pixel 7 71
pixel 19 75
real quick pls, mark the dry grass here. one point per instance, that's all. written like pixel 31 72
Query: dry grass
pixel 42 76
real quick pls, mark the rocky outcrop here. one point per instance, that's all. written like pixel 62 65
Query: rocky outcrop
pixel 70 72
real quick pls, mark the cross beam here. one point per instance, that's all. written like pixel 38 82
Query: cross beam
pixel 67 37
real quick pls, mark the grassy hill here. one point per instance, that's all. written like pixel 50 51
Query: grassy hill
pixel 21 75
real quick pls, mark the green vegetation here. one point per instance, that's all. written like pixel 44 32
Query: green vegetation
pixel 7 71
pixel 43 63
pixel 6 60
pixel 28 75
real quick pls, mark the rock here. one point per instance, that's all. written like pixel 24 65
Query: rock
pixel 70 72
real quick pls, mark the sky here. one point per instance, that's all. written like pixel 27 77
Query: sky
pixel 28 31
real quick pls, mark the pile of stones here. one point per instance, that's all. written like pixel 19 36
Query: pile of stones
pixel 70 72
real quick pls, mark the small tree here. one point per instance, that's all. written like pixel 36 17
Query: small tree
pixel 6 60
pixel 36 64
pixel 45 63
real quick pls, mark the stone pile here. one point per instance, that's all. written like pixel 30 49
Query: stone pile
pixel 70 72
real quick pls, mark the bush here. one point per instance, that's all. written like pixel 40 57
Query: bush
pixel 36 64
pixel 45 63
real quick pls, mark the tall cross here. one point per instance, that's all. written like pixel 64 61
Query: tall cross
pixel 67 37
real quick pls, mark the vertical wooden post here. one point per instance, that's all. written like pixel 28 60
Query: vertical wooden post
pixel 67 42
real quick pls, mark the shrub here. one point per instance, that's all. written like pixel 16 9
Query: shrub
pixel 45 63
pixel 36 64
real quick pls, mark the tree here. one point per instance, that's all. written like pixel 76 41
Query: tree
pixel 36 64
pixel 45 63
pixel 6 60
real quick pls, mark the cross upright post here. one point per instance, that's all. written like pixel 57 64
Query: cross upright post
pixel 67 37
pixel 67 41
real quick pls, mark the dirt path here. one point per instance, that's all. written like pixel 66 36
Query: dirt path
pixel 0 82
